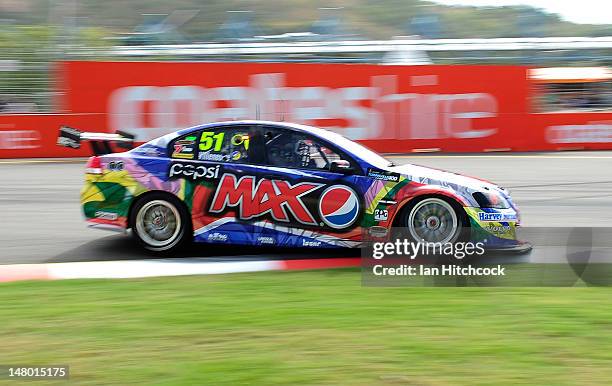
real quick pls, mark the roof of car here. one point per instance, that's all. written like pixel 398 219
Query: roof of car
pixel 308 129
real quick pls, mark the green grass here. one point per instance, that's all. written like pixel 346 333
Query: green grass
pixel 306 327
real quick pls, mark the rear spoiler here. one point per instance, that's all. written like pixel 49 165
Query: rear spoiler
pixel 100 142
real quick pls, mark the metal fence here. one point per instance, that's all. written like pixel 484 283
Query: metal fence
pixel 574 97
pixel 25 83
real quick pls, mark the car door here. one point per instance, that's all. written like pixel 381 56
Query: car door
pixel 211 162
pixel 330 211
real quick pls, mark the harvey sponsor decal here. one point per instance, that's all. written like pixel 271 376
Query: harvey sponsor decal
pixel 496 217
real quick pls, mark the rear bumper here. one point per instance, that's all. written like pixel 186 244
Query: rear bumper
pixel 104 205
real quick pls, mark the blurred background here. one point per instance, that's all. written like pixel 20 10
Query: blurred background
pixel 36 33
pixel 401 76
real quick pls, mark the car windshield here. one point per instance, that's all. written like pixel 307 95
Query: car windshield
pixel 357 149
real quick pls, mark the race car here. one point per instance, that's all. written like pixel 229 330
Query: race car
pixel 279 184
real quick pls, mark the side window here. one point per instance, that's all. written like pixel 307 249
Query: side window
pixel 290 149
pixel 218 144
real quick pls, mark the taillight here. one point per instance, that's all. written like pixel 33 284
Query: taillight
pixel 94 165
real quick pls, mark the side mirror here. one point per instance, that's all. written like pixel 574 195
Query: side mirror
pixel 340 166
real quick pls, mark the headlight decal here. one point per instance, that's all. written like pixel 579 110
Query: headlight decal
pixel 491 200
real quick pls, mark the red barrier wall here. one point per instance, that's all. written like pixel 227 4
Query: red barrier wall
pixel 393 108
pixel 389 108
pixel 35 135
pixel 569 131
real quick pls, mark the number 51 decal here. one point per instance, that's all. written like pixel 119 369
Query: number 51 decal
pixel 209 138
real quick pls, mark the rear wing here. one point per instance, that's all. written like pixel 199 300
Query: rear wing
pixel 100 142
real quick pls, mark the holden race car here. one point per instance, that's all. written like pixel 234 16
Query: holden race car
pixel 279 184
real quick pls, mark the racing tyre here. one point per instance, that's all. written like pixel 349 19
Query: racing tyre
pixel 433 220
pixel 160 223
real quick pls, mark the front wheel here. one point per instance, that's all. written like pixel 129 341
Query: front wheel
pixel 433 220
pixel 160 223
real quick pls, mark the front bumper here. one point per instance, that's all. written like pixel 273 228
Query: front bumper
pixel 495 228
pixel 520 247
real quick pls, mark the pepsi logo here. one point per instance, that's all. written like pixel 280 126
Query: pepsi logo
pixel 339 207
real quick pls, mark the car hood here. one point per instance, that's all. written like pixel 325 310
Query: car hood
pixel 433 176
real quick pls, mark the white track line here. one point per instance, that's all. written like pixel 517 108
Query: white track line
pixel 126 269
pixel 44 161
pixel 151 268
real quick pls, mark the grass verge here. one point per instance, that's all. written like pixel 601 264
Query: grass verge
pixel 318 327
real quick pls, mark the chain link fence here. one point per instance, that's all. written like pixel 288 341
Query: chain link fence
pixel 26 82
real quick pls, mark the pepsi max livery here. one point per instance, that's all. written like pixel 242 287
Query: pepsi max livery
pixel 281 184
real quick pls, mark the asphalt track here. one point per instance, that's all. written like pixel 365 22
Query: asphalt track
pixel 41 220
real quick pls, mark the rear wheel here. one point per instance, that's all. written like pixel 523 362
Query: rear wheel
pixel 433 220
pixel 160 223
